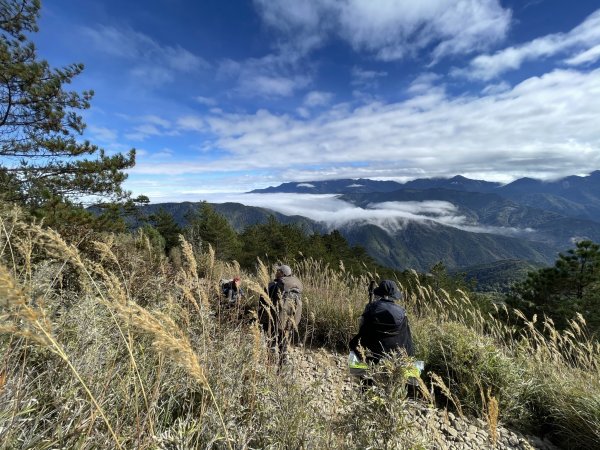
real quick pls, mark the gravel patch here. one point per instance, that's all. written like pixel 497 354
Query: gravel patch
pixel 444 429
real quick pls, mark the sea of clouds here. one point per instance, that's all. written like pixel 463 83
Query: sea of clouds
pixel 334 212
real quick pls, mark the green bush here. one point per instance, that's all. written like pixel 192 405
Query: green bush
pixel 473 367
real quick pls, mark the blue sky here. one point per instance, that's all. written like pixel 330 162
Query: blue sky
pixel 227 96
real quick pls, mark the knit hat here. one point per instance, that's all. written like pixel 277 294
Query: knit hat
pixel 285 270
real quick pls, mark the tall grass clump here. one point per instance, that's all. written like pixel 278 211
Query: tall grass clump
pixel 377 417
pixel 333 299
pixel 565 397
pixel 111 344
pixel 544 381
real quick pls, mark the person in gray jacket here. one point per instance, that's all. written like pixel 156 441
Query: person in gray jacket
pixel 280 315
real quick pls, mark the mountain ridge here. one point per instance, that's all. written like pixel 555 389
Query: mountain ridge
pixel 528 220
pixel 572 196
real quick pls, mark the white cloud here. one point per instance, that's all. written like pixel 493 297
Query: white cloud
pixel 303 112
pixel 151 75
pixel 191 123
pixel 307 21
pixel 497 88
pixel 423 83
pixel 152 63
pixel 336 213
pixel 428 208
pixel 207 101
pixel 391 29
pixel 544 127
pixel 149 125
pixel 587 57
pixel 265 85
pixel 155 120
pixel 103 134
pixel 165 153
pixel 583 37
pixel 366 78
pixel 307 185
pixel 274 75
pixel 317 98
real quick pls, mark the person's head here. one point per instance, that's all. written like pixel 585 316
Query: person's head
pixel 237 281
pixel 283 271
pixel 388 289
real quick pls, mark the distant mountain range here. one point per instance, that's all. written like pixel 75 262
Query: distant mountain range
pixel 525 223
pixel 574 196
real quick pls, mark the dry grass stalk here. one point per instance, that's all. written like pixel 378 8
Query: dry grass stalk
pixel 491 415
pixel 437 381
pixel 172 343
pixel 262 274
pixel 17 316
pixel 32 324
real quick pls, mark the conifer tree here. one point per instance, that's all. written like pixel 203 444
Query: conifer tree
pixel 569 287
pixel 273 242
pixel 41 157
pixel 165 224
pixel 206 226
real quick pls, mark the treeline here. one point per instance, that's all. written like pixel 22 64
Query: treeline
pixel 560 292
pixel 271 241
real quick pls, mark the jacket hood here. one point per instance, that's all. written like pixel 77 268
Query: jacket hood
pixel 387 288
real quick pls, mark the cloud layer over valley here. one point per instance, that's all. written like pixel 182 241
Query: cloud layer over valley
pixel 330 210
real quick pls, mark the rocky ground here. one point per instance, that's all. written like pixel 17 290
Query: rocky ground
pixel 443 430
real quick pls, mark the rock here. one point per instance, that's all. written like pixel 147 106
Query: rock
pixel 327 375
pixel 450 431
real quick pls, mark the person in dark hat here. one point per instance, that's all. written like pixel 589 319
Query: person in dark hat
pixel 383 326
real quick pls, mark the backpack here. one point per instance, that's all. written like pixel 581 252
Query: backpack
pixel 289 310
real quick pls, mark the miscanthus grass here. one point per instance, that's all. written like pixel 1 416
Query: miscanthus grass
pixel 109 343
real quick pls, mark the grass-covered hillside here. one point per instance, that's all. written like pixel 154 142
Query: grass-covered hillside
pixel 107 343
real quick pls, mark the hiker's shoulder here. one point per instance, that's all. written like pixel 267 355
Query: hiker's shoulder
pixel 381 305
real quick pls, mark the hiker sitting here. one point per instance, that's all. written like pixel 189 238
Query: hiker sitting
pixel 280 314
pixel 231 291
pixel 383 326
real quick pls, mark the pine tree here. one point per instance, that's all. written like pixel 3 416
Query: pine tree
pixel 165 224
pixel 272 242
pixel 41 158
pixel 206 226
pixel 569 287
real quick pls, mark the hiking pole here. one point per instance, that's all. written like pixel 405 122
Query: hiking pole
pixel 372 285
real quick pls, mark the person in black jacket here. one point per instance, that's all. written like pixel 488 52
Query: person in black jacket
pixel 383 326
